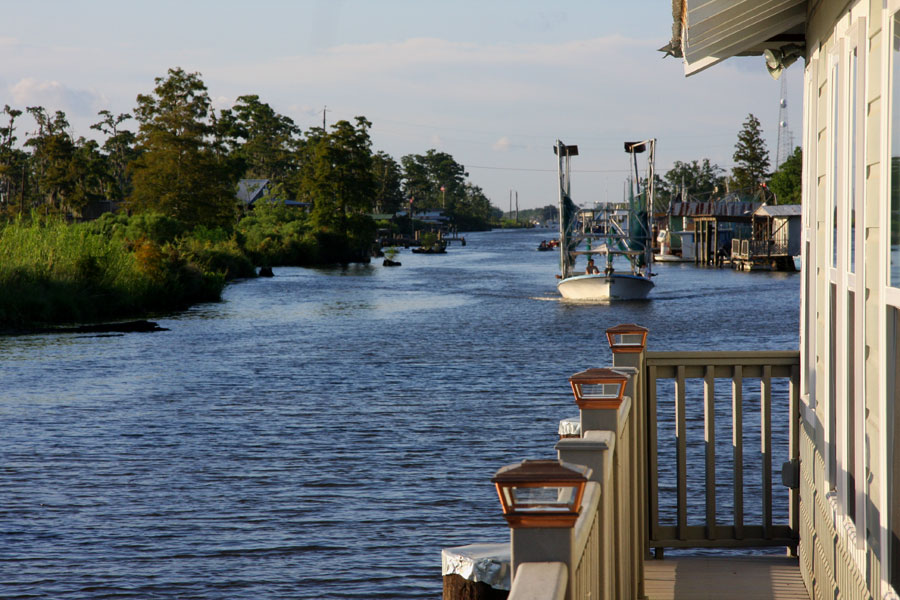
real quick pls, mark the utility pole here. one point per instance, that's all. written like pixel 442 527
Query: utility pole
pixel 324 110
pixel 517 206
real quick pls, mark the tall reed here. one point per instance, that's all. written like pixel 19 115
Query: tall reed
pixel 54 272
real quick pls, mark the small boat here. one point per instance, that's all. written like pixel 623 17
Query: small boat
pixel 435 248
pixel 545 246
pixel 609 232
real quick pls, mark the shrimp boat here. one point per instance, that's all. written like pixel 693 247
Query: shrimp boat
pixel 617 235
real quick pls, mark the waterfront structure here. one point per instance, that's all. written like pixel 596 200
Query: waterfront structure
pixel 249 191
pixel 774 242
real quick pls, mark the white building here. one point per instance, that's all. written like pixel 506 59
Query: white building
pixel 850 319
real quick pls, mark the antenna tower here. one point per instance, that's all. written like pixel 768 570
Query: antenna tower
pixel 785 137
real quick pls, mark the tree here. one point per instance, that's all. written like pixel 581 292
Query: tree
pixel 12 161
pixel 388 177
pixel 699 178
pixel 750 156
pixel 337 175
pixel 182 171
pixel 425 174
pixel 786 181
pixel 90 173
pixel 120 151
pixel 270 140
pixel 52 153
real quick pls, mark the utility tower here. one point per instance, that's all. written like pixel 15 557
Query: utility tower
pixel 785 137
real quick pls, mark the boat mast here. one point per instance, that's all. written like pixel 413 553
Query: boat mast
pixel 563 154
pixel 651 196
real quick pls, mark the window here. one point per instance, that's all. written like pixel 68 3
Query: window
pixel 894 252
pixel 853 170
pixel 835 131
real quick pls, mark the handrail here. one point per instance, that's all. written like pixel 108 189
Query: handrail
pixel 540 581
pixel 766 247
pixel 766 367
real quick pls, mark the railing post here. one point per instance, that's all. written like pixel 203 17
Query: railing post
pixel 628 343
pixel 595 450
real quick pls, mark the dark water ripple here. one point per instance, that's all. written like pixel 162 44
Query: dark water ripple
pixel 322 434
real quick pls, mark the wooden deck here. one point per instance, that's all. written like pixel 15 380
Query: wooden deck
pixel 702 577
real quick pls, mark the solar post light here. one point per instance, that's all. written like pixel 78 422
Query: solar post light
pixel 599 388
pixel 541 493
pixel 627 338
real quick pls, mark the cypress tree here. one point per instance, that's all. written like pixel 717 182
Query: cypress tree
pixel 750 156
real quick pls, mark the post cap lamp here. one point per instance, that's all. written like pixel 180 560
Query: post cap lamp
pixel 598 388
pixel 627 337
pixel 541 493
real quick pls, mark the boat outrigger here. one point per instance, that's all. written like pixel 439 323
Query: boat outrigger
pixel 608 232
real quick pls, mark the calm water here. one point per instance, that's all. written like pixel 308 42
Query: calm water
pixel 320 434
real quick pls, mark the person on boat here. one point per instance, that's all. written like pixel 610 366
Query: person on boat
pixel 591 268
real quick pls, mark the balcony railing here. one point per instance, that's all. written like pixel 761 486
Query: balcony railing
pixel 750 249
pixel 642 495
pixel 760 371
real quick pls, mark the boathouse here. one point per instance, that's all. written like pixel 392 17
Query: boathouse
pixel 775 240
pixel 714 224
pixel 842 472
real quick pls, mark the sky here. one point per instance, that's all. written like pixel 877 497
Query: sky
pixel 494 83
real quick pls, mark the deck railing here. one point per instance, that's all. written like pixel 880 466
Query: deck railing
pixel 633 484
pixel 762 369
pixel 749 249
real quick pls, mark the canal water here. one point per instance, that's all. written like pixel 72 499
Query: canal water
pixel 323 433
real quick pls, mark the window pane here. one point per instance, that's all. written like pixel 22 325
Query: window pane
pixel 835 160
pixel 894 259
pixel 852 170
pixel 851 405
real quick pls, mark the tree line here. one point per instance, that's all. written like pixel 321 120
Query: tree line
pixel 750 176
pixel 185 158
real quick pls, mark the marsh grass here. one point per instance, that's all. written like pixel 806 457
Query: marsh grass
pixel 53 272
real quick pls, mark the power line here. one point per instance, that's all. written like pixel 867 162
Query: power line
pixel 546 170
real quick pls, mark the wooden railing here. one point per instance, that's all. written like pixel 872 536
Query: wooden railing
pixel 634 489
pixel 748 249
pixel 761 369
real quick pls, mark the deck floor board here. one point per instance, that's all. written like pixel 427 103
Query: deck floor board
pixel 702 577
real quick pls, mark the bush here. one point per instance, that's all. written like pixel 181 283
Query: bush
pixel 54 272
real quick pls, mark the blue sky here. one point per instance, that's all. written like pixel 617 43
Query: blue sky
pixel 494 83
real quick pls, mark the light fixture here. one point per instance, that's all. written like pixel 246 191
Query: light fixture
pixel 779 59
pixel 600 388
pixel 541 493
pixel 627 337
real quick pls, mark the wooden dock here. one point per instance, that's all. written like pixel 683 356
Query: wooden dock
pixel 704 577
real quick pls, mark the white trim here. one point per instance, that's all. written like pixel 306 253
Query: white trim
pixel 887 29
pixel 835 317
pixel 859 42
pixel 809 185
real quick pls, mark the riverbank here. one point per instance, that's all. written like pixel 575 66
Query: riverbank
pixel 120 267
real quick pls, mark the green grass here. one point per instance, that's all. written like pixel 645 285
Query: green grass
pixel 121 266
pixel 52 272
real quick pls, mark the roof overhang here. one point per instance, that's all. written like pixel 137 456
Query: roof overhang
pixel 706 32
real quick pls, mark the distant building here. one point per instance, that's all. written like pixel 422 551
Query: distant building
pixel 252 190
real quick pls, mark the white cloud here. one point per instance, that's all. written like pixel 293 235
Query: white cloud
pixel 502 145
pixel 54 96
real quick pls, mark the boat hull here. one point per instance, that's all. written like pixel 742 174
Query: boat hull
pixel 605 287
pixel 671 258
